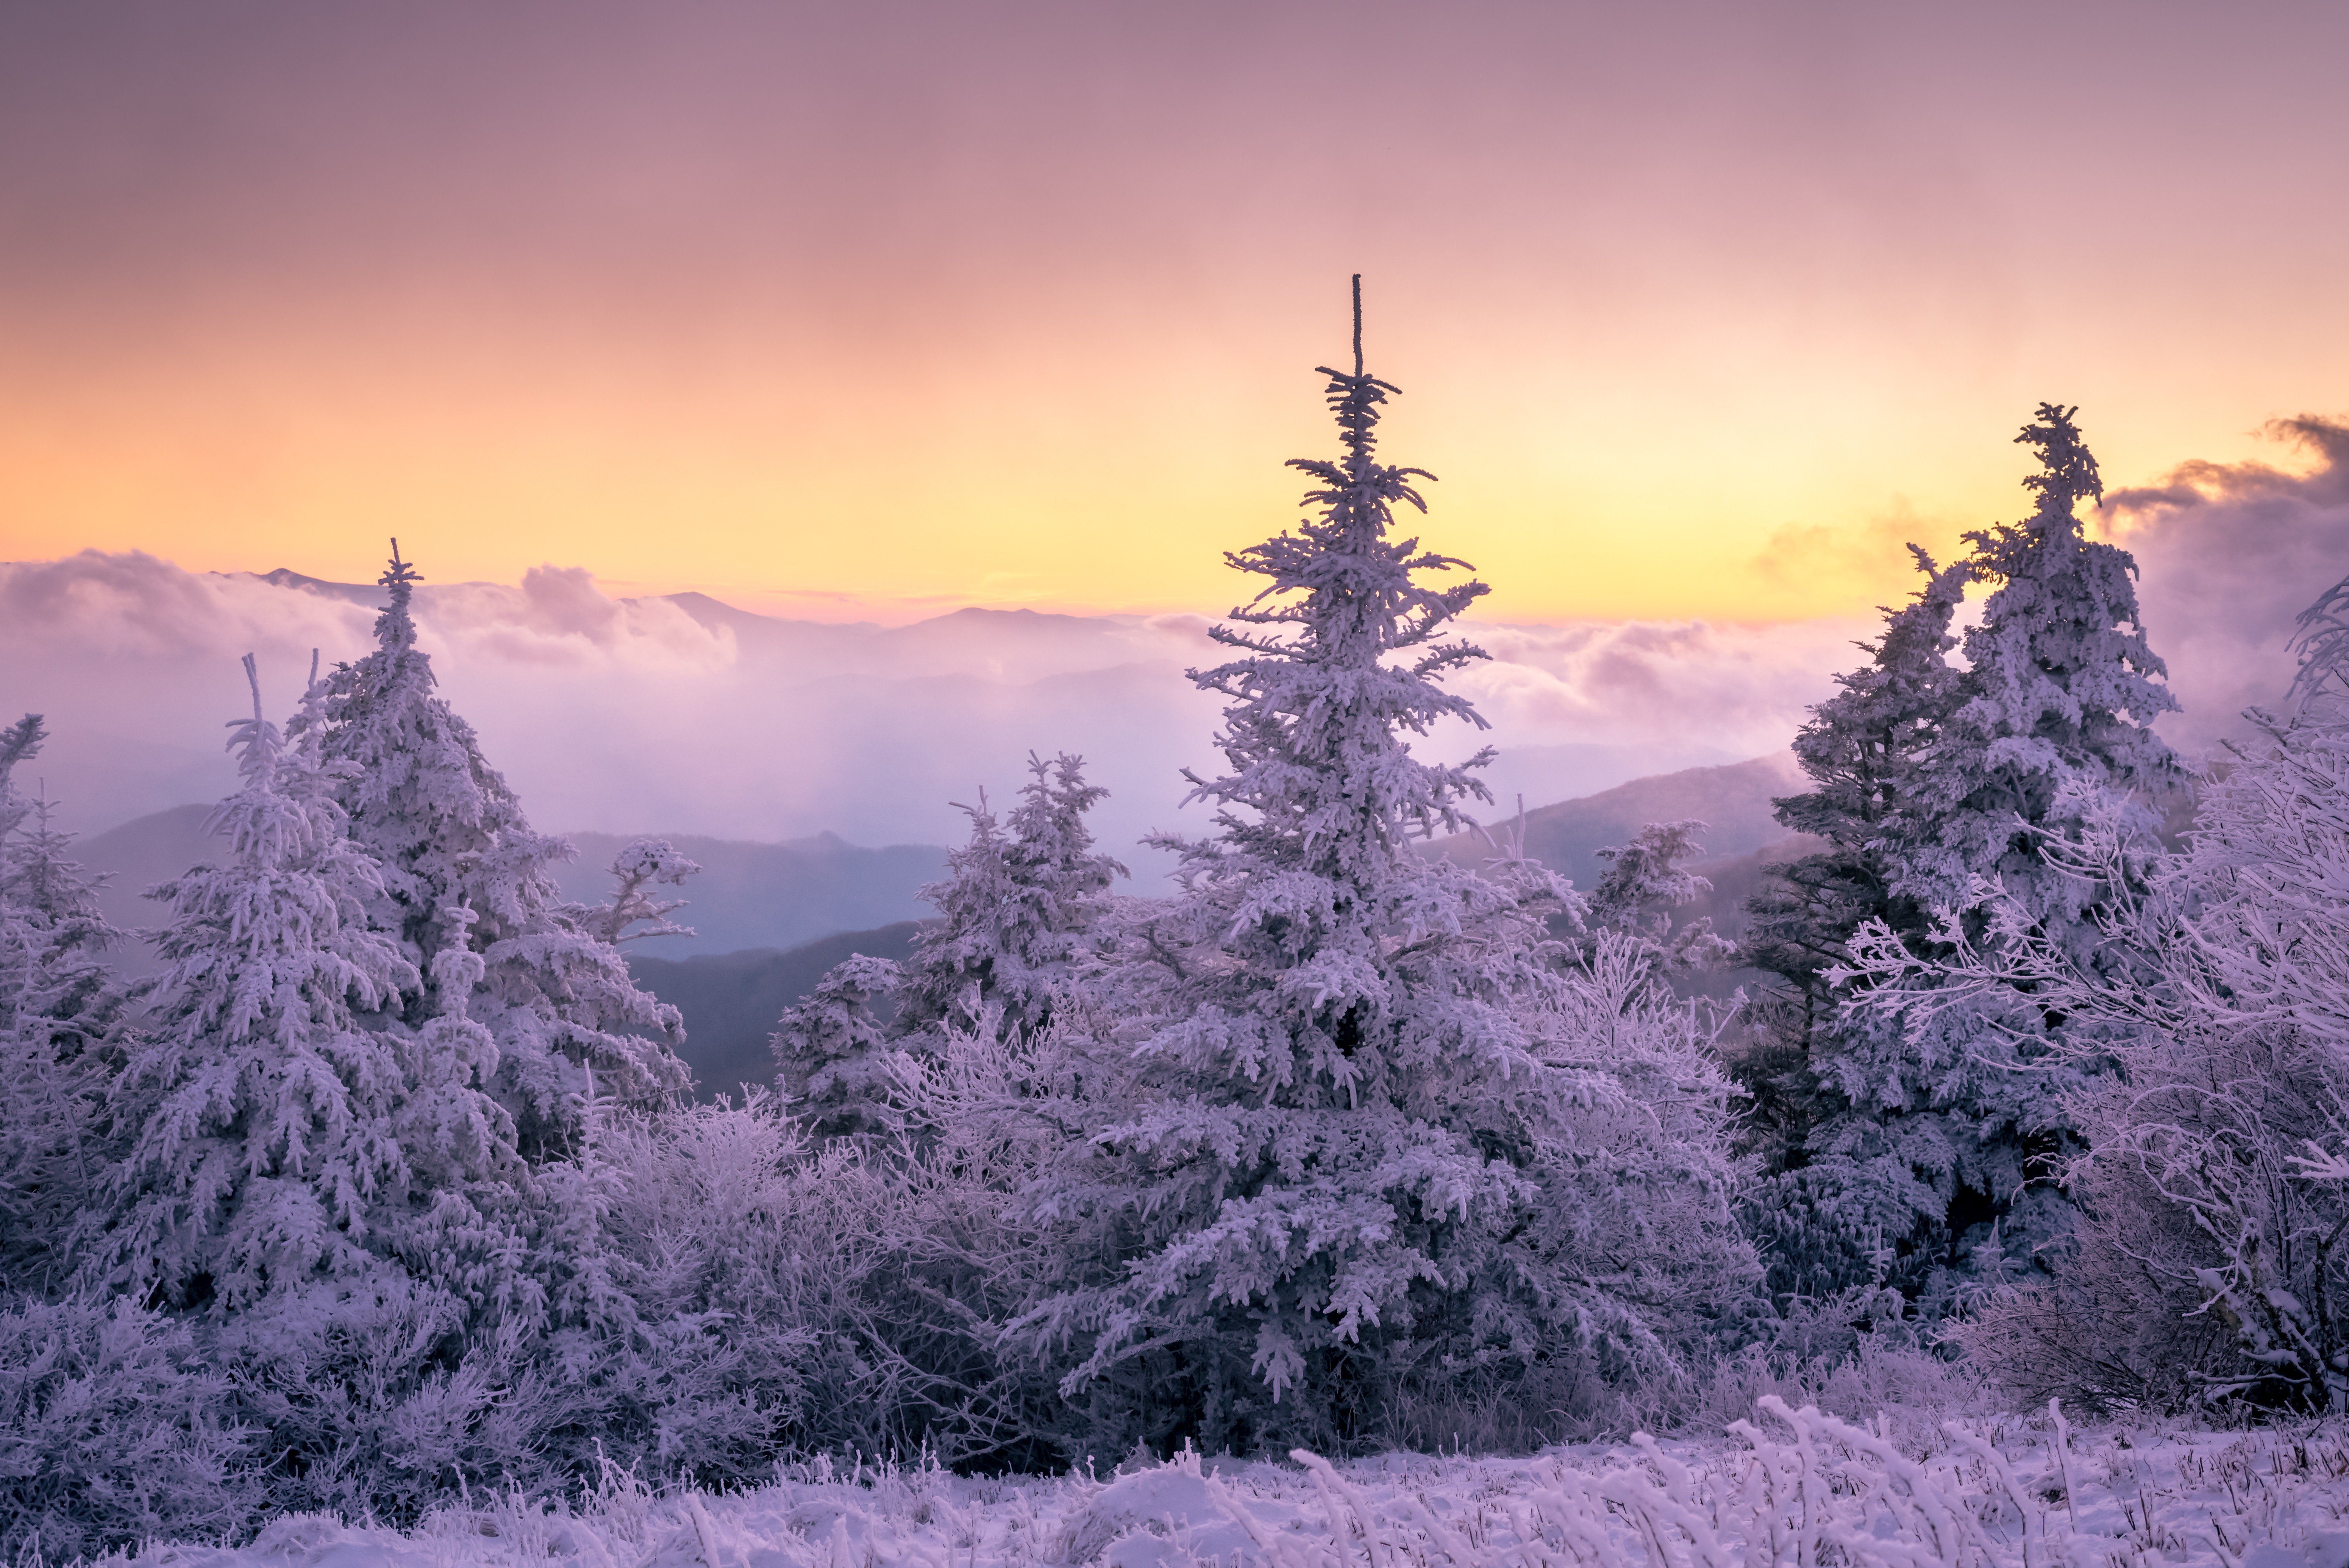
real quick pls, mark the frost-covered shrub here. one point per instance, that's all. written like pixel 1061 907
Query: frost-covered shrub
pixel 704 1233
pixel 2214 1188
pixel 372 1397
pixel 985 1119
pixel 114 1431
pixel 780 1296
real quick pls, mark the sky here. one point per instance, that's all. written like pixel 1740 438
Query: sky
pixel 875 310
pixel 674 715
pixel 866 315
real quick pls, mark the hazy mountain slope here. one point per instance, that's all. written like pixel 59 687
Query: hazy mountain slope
pixel 765 913
pixel 748 895
pixel 137 855
pixel 779 895
pixel 772 895
pixel 730 1000
pixel 1734 801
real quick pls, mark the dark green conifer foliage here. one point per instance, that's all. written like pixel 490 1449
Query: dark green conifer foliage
pixel 1931 1151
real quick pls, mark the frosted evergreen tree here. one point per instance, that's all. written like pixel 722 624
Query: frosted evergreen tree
pixel 1358 1123
pixel 1862 749
pixel 283 1133
pixel 60 1005
pixel 2058 703
pixel 833 1046
pixel 1940 1143
pixel 2213 1026
pixel 1646 880
pixel 458 855
pixel 1021 911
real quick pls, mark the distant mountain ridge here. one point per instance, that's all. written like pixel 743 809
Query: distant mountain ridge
pixel 753 894
pixel 748 895
pixel 773 917
pixel 1736 802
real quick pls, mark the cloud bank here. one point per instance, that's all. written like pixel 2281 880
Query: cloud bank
pixel 685 715
pixel 2228 554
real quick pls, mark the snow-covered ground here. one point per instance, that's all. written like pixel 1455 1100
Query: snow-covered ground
pixel 1789 1488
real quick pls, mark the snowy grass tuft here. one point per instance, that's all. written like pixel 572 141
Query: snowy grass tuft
pixel 1787 1488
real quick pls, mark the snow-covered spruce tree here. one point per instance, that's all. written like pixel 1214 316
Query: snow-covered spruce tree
pixel 1942 1142
pixel 1021 909
pixel 833 1048
pixel 2213 1184
pixel 281 1133
pixel 1645 881
pixel 60 1005
pixel 1861 748
pixel 2060 692
pixel 1360 1141
pixel 458 855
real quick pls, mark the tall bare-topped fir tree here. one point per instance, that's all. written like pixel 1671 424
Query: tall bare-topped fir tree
pixel 1362 1132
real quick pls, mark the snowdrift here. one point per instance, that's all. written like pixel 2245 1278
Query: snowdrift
pixel 1789 1489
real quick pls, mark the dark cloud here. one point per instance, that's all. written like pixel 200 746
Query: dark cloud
pixel 2228 554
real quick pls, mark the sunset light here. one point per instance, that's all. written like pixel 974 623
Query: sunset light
pixel 871 310
pixel 1238 784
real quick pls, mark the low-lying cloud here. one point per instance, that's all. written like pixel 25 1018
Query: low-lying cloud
pixel 559 620
pixel 681 714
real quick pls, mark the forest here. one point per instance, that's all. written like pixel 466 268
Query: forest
pixel 389 1192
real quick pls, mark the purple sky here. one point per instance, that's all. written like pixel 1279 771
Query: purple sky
pixel 1700 308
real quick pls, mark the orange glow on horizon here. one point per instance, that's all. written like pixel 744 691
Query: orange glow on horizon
pixel 848 317
pixel 1047 490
